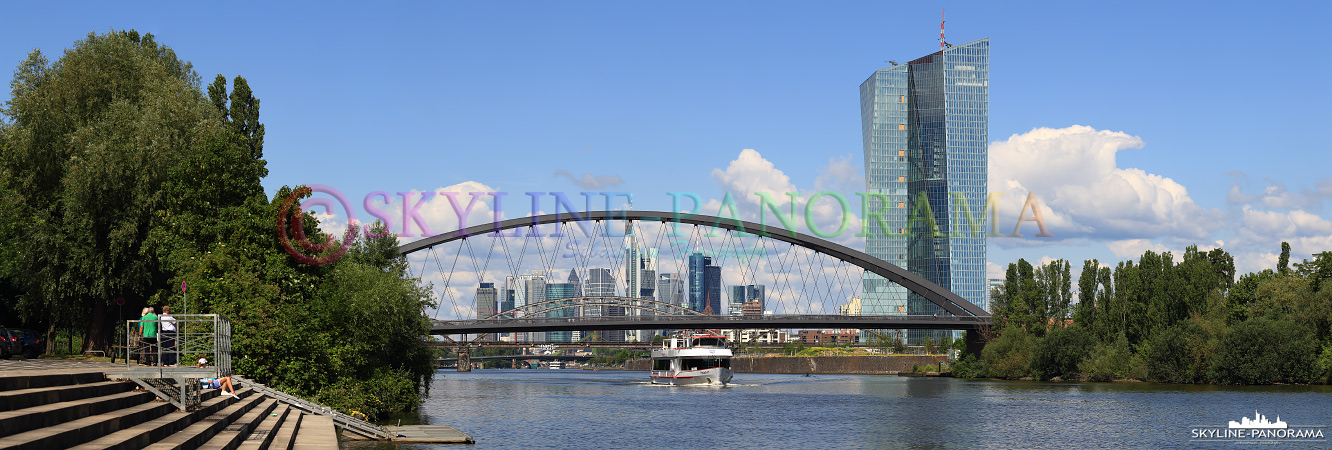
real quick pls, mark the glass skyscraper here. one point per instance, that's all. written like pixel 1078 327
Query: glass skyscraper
pixel 924 126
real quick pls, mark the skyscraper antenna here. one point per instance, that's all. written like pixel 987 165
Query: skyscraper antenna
pixel 942 16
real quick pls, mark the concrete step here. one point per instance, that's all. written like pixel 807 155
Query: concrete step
pixel 27 398
pixel 42 416
pixel 285 435
pixel 199 432
pixel 82 430
pixel 263 433
pixel 16 382
pixel 237 431
pixel 316 433
pixel 147 433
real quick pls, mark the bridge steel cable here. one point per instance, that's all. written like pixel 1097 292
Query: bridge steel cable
pixel 936 294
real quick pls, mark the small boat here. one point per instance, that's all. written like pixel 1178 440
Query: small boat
pixel 691 359
pixel 557 364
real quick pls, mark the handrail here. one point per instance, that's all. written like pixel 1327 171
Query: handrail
pixel 347 422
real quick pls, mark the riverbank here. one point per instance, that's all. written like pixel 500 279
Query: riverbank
pixel 854 365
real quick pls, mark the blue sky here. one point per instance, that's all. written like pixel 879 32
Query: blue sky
pixel 1224 101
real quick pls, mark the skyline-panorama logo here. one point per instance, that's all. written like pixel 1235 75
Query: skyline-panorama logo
pixel 1258 430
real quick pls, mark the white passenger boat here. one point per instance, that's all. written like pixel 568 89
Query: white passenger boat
pixel 689 359
pixel 557 364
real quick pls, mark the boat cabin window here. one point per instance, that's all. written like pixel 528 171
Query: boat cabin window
pixel 699 363
pixel 708 342
pixel 661 364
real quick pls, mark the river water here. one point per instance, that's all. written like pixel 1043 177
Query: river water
pixel 542 408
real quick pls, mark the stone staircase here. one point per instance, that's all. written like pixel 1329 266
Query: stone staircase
pixel 88 411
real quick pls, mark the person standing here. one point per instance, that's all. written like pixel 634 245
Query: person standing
pixel 148 324
pixel 168 338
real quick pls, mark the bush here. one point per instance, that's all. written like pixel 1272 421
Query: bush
pixel 1058 354
pixel 1265 351
pixel 1009 354
pixel 967 367
pixel 1108 361
pixel 1172 354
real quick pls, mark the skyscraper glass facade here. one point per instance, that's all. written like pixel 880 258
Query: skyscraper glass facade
pixel 925 132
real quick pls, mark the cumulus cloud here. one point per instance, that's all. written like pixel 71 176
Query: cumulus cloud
pixel 1074 173
pixel 589 181
pixel 750 173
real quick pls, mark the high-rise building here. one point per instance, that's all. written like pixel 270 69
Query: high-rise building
pixel 578 286
pixel 556 291
pixel 671 289
pixel 601 282
pixel 487 300
pixel 528 289
pixel 738 295
pixel 713 290
pixel 697 294
pixel 925 126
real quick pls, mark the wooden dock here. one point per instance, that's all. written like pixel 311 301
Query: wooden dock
pixel 429 434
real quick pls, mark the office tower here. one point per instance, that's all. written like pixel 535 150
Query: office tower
pixel 528 289
pixel 924 126
pixel 578 286
pixel 697 289
pixel 640 278
pixel 601 282
pixel 738 295
pixel 556 291
pixel 713 291
pixel 487 300
pixel 670 289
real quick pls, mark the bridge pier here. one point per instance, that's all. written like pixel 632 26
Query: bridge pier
pixel 975 342
pixel 464 359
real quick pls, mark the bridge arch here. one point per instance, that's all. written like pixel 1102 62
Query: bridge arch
pixel 916 284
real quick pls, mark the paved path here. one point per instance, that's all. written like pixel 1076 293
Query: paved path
pixel 22 366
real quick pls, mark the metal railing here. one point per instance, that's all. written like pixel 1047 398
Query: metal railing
pixel 345 421
pixel 196 335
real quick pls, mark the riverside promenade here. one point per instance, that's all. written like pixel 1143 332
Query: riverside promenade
pixel 54 403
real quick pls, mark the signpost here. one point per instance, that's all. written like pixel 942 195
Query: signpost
pixel 183 337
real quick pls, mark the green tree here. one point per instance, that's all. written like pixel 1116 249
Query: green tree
pixel 1009 354
pixel 1283 264
pixel 1059 353
pixel 92 139
pixel 1108 361
pixel 1264 351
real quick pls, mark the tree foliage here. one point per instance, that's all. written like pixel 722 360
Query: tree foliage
pixel 125 179
pixel 1152 318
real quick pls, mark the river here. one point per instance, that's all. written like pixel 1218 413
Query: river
pixel 541 408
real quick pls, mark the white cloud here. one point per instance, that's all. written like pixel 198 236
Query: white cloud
pixel 750 173
pixel 1074 173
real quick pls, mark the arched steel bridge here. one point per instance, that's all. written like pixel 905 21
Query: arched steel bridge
pixel 964 315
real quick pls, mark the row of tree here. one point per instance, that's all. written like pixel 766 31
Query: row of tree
pixel 1190 322
pixel 121 178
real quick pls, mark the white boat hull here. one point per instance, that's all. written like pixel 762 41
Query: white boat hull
pixel 714 376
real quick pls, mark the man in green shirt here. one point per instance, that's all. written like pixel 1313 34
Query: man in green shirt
pixel 149 341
